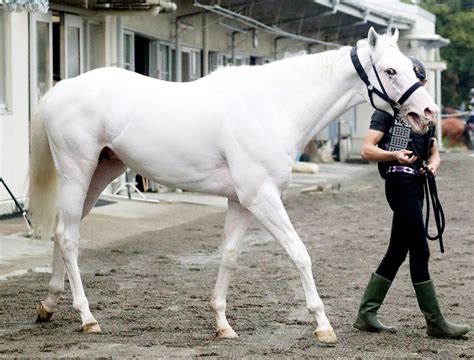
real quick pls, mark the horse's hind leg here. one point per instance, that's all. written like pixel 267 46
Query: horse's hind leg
pixel 46 308
pixel 73 193
pixel 267 207
pixel 237 222
pixel 107 170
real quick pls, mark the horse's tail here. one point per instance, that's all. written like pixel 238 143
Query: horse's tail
pixel 44 179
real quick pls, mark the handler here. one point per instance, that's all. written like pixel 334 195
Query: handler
pixel 389 142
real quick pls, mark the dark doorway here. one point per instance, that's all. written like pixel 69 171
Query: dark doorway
pixel 56 47
pixel 254 60
pixel 142 55
pixel 142 66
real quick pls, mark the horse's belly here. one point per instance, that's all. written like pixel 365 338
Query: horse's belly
pixel 185 161
pixel 216 181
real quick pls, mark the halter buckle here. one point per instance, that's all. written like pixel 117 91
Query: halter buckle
pixel 370 87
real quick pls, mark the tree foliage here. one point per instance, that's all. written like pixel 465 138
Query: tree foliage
pixel 455 21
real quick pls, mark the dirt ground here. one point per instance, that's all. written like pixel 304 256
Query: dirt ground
pixel 150 293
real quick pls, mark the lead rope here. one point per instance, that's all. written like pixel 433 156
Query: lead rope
pixel 432 191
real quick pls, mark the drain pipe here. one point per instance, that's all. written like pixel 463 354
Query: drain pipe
pixel 177 69
pixel 205 46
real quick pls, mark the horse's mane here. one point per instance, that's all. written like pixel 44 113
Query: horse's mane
pixel 321 65
pixel 314 66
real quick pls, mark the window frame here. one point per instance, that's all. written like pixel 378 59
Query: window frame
pixel 165 75
pixel 131 65
pixel 194 68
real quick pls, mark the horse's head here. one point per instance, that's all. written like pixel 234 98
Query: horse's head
pixel 397 76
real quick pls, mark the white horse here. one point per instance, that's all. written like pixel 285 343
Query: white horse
pixel 234 133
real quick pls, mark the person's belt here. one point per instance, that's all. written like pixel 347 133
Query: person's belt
pixel 402 169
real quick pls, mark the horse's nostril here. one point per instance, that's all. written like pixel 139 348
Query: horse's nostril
pixel 429 113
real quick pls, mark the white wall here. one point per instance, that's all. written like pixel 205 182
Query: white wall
pixel 14 123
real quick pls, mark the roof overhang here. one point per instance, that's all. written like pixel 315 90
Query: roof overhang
pixel 430 41
pixel 359 10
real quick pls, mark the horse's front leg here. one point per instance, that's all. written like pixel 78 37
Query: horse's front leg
pixel 46 308
pixel 267 207
pixel 237 222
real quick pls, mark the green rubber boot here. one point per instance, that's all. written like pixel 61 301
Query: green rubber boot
pixel 373 297
pixel 436 324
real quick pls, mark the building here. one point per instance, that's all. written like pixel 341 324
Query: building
pixel 183 40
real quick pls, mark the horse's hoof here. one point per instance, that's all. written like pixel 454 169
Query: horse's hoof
pixel 228 333
pixel 43 315
pixel 91 328
pixel 327 337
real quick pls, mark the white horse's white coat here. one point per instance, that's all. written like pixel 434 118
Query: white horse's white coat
pixel 233 133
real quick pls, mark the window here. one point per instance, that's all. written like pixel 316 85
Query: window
pixel 42 65
pixel 216 60
pixel 241 60
pixel 3 72
pixel 73 52
pixel 41 56
pixel 195 65
pixel 95 43
pixel 165 62
pixel 190 64
pixel 128 51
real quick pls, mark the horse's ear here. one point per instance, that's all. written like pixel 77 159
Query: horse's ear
pixel 395 36
pixel 372 38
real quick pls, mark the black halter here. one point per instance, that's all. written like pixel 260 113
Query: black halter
pixel 382 94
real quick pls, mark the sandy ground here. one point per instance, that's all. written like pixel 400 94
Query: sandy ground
pixel 150 291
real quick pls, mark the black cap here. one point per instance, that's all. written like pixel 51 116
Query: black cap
pixel 418 68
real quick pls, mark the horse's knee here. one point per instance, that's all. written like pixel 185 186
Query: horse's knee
pixel 229 257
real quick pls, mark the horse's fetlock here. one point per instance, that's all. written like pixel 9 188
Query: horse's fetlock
pixel 217 305
pixel 80 304
pixel 315 306
pixel 56 287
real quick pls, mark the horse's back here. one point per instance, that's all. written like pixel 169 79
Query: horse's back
pixel 166 131
pixel 111 100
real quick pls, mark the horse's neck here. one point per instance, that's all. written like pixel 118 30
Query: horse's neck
pixel 321 98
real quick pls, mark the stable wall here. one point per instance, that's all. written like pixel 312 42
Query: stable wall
pixel 14 121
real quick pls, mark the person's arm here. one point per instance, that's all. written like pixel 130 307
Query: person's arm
pixel 434 161
pixel 371 152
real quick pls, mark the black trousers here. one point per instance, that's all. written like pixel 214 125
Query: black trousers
pixel 404 194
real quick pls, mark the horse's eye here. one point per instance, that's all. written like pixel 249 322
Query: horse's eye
pixel 390 72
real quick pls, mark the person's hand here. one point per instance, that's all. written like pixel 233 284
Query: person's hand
pixel 404 158
pixel 431 167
